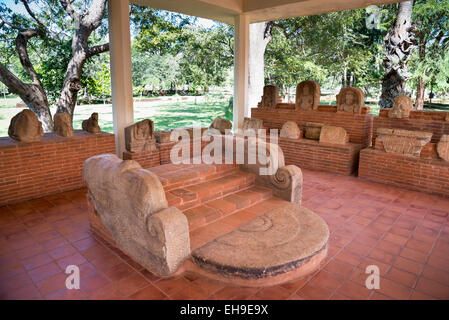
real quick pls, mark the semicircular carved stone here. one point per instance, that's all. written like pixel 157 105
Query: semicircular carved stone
pixel 401 108
pixel 91 125
pixel 139 137
pixel 63 124
pixel 221 125
pixel 290 130
pixel 403 141
pixel 131 204
pixel 350 100
pixel 252 124
pixel 25 127
pixel 334 135
pixel 270 97
pixel 308 95
pixel 443 147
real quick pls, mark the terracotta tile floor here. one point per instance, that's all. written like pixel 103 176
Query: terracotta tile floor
pixel 404 233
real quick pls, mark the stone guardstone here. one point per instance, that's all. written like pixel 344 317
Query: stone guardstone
pixel 313 130
pixel 91 125
pixel 403 141
pixel 443 147
pixel 350 100
pixel 63 124
pixel 401 108
pixel 252 123
pixel 139 137
pixel 290 130
pixel 334 135
pixel 221 125
pixel 270 97
pixel 25 127
pixel 308 95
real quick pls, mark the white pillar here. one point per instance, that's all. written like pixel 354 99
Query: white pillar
pixel 121 70
pixel 241 60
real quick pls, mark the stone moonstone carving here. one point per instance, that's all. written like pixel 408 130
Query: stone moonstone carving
pixel 63 124
pixel 91 125
pixel 252 123
pixel 313 130
pixel 401 108
pixel 403 141
pixel 221 125
pixel 334 135
pixel 290 130
pixel 131 204
pixel 139 137
pixel 308 95
pixel 443 147
pixel 270 97
pixel 350 100
pixel 25 127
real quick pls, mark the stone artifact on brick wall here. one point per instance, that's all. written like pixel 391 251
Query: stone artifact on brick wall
pixel 290 130
pixel 308 95
pixel 401 108
pixel 139 137
pixel 403 141
pixel 63 124
pixel 162 136
pixel 91 125
pixel 334 135
pixel 447 117
pixel 443 147
pixel 350 100
pixel 131 204
pixel 221 125
pixel 25 127
pixel 252 123
pixel 270 97
pixel 313 130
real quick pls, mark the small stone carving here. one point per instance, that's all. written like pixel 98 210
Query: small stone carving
pixel 443 147
pixel 162 136
pixel 313 130
pixel 334 135
pixel 252 123
pixel 25 127
pixel 290 130
pixel 131 204
pixel 401 108
pixel 91 125
pixel 63 124
pixel 139 137
pixel 270 97
pixel 403 141
pixel 221 125
pixel 350 100
pixel 307 95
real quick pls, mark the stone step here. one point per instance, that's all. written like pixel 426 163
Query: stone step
pixel 193 195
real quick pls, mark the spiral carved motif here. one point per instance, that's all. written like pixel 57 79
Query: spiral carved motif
pixel 282 179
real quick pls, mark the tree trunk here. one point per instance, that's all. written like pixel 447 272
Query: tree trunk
pixel 260 36
pixel 399 44
pixel 419 103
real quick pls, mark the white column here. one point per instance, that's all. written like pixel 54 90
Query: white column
pixel 241 61
pixel 121 71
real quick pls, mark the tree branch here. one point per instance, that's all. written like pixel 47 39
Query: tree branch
pixel 21 47
pixel 31 13
pixel 67 5
pixel 14 84
pixel 92 51
pixel 92 19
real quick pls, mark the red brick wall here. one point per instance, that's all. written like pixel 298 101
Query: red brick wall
pixel 311 154
pixel 358 126
pixel 53 165
pixel 415 173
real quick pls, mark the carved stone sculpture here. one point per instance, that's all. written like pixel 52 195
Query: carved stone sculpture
pixel 131 204
pixel 350 100
pixel 290 130
pixel 270 97
pixel 63 124
pixel 139 137
pixel 252 124
pixel 91 125
pixel 401 108
pixel 307 95
pixel 25 127
pixel 162 136
pixel 403 141
pixel 221 125
pixel 313 130
pixel 443 147
pixel 334 135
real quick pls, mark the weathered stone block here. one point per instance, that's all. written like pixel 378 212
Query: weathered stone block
pixel 252 124
pixel 308 95
pixel 334 135
pixel 91 125
pixel 403 141
pixel 290 130
pixel 401 108
pixel 25 127
pixel 221 125
pixel 63 124
pixel 139 137
pixel 270 97
pixel 350 100
pixel 313 130
pixel 443 147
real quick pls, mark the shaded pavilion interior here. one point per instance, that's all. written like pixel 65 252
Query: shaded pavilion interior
pixel 404 232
